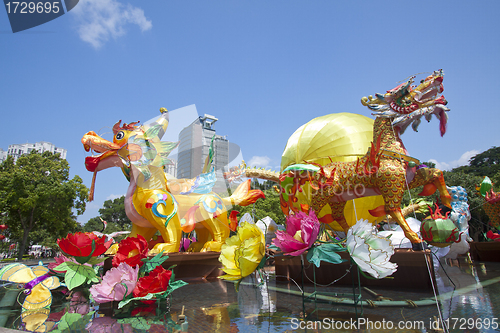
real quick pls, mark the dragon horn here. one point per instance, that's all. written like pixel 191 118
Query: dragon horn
pixel 117 126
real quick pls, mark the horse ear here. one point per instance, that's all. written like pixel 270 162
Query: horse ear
pixel 117 127
pixel 129 127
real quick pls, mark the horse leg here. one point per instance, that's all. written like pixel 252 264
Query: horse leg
pixel 410 234
pixel 163 216
pixel 219 229
pixel 145 232
pixel 432 179
pixel 202 236
pixel 171 234
pixel 392 192
pixel 338 215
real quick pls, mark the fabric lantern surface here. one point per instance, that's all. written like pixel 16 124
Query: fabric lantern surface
pixel 337 137
pixel 440 232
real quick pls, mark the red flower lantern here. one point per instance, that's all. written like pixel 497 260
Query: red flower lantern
pixel 157 281
pixel 493 235
pixel 131 250
pixel 2 227
pixel 83 245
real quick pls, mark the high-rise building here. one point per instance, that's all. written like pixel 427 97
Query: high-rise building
pixel 3 155
pixel 194 145
pixel 171 169
pixel 17 150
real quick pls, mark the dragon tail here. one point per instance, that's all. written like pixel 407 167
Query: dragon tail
pixel 244 196
pixel 262 174
pixel 236 173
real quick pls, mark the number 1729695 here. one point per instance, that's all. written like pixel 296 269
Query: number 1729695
pixel 32 7
pixel 471 323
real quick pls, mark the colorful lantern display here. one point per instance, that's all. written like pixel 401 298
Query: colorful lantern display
pixel 439 230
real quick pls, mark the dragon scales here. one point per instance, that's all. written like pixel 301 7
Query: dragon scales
pixel 386 169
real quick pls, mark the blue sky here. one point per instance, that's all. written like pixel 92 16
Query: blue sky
pixel 263 68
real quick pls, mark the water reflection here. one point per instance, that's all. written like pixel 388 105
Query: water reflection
pixel 219 316
pixel 254 298
pixel 471 291
pixel 463 294
pixel 108 325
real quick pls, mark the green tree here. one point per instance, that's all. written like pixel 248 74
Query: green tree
pixel 483 164
pixel 113 211
pixel 36 193
pixel 43 237
pixel 93 224
pixel 270 206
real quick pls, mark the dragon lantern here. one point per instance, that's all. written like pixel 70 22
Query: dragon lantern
pixel 385 171
pixel 155 203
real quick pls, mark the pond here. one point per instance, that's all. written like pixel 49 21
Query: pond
pixel 468 294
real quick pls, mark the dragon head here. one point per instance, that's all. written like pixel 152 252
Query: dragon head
pixel 133 146
pixel 428 89
pixel 110 154
pixel 406 104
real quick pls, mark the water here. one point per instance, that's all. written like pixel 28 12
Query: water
pixel 469 297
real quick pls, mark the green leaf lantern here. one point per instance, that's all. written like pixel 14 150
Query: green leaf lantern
pixel 439 230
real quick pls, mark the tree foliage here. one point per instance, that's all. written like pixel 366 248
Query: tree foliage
pixel 270 206
pixel 113 212
pixel 469 176
pixel 483 164
pixel 93 224
pixel 36 194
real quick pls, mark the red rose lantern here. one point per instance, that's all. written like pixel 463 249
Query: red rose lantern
pixel 157 281
pixel 131 250
pixel 83 245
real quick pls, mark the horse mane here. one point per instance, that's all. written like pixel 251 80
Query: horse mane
pixel 414 118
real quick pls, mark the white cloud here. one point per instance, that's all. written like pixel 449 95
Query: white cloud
pixel 259 161
pixel 92 205
pixel 98 20
pixel 114 196
pixel 463 160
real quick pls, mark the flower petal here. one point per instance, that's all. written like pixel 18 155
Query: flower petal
pixel 370 252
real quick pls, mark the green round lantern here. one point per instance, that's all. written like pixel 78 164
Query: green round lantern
pixel 439 230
